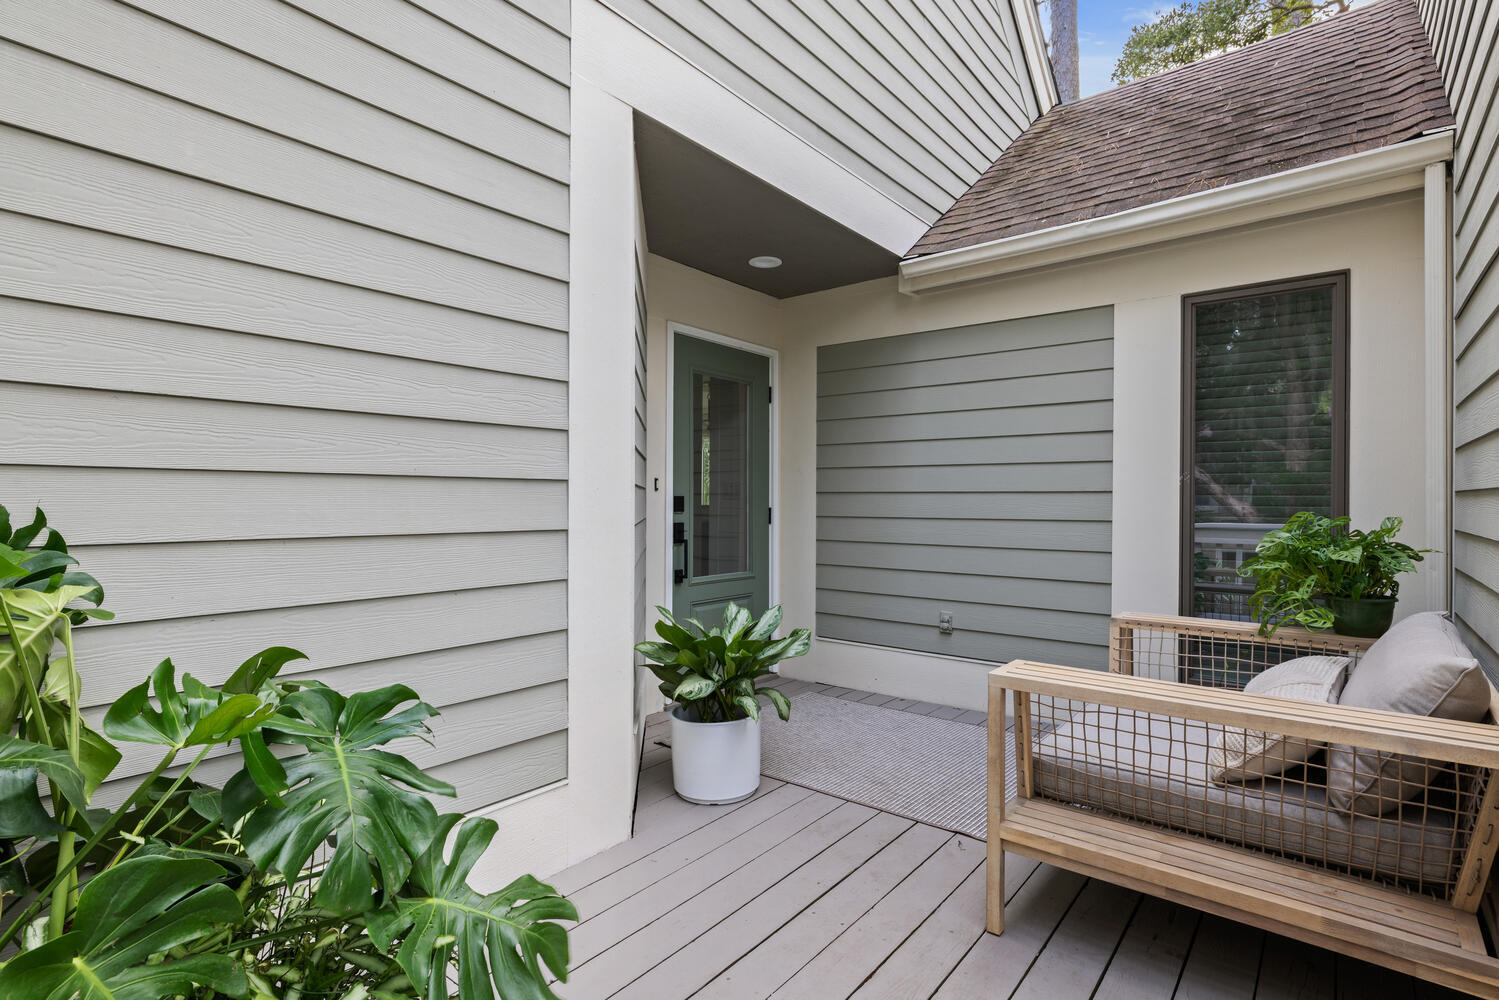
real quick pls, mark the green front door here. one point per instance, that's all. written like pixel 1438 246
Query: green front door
pixel 720 479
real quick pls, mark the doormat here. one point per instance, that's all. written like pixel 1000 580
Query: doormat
pixel 925 769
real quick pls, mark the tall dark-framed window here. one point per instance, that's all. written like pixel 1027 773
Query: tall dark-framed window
pixel 1265 425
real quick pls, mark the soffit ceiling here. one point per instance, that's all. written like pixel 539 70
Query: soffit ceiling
pixel 706 213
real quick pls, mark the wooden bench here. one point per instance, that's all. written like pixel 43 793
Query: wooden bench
pixel 1427 928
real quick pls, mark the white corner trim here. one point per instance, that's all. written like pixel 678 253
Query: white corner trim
pixel 1037 60
pixel 1347 179
pixel 1437 265
pixel 610 51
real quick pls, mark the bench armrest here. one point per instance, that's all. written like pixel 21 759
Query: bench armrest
pixel 1213 652
pixel 1473 743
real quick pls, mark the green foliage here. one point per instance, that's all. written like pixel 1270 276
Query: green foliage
pixel 315 872
pixel 501 938
pixel 1312 557
pixel 713 670
pixel 342 789
pixel 1197 29
pixel 129 921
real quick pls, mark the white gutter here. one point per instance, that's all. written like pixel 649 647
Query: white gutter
pixel 1378 172
pixel 1037 59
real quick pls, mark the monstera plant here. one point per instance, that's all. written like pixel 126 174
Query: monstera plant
pixel 320 869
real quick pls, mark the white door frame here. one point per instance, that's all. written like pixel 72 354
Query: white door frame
pixel 672 329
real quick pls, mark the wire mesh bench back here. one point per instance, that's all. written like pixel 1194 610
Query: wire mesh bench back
pixel 1162 765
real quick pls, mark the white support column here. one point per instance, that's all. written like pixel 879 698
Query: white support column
pixel 601 755
pixel 1438 340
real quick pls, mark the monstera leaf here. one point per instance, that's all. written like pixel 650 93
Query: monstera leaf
pixel 21 811
pixel 128 917
pixel 500 939
pixel 197 715
pixel 367 800
pixel 38 619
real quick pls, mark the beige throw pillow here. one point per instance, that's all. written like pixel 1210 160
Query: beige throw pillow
pixel 1419 667
pixel 1246 754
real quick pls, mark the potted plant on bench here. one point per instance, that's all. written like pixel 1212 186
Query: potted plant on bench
pixel 1320 573
pixel 710 673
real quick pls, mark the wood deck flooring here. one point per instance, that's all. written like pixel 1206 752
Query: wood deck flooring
pixel 797 895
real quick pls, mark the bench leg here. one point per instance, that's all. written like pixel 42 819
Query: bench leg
pixel 994 887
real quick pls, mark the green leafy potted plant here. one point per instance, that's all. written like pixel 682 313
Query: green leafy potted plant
pixel 324 872
pixel 710 673
pixel 1319 573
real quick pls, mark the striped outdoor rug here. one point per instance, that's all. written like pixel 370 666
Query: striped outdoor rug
pixel 925 769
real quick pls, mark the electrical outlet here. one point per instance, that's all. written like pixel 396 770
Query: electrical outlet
pixel 944 622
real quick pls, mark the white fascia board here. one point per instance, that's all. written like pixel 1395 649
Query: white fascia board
pixel 631 65
pixel 1348 179
pixel 1037 58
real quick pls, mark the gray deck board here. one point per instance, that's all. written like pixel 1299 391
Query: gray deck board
pixel 884 841
pixel 856 953
pixel 1078 954
pixel 639 875
pixel 800 895
pixel 604 931
pixel 935 949
pixel 1224 962
pixel 673 926
pixel 1152 953
pixel 781 955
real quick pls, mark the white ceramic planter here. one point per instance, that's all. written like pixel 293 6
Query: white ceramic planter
pixel 714 762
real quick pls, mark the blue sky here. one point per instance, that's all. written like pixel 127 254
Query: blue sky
pixel 1102 27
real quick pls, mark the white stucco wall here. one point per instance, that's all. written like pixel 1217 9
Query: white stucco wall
pixel 1380 244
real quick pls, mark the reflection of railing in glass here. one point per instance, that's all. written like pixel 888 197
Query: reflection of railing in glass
pixel 1218 551
pixel 721 476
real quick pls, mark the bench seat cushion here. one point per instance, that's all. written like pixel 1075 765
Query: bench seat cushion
pixel 1156 769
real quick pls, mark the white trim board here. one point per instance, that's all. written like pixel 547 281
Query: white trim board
pixel 1359 177
pixel 672 329
pixel 610 51
pixel 1037 58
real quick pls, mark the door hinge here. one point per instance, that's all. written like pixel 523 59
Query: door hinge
pixel 770 394
pixel 770 515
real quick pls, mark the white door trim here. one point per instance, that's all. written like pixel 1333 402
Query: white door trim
pixel 672 329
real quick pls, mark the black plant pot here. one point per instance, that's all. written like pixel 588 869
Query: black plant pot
pixel 1366 617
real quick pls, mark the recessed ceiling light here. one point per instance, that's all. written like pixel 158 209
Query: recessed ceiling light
pixel 765 261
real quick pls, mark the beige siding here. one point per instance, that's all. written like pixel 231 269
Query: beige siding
pixel 1463 35
pixel 916 98
pixel 283 294
pixel 969 471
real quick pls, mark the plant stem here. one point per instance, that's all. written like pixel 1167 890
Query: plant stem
pixel 160 802
pixel 34 701
pixel 64 897
pixel 64 871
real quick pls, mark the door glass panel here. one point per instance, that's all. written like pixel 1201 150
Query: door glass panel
pixel 720 475
pixel 1262 443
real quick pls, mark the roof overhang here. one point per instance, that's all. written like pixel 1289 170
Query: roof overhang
pixel 1348 179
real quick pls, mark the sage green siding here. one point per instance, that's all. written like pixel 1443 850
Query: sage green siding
pixel 969 471
pixel 917 99
pixel 283 298
pixel 1463 35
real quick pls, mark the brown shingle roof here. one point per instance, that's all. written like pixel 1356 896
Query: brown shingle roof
pixel 1355 82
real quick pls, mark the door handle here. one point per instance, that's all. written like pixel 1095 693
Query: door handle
pixel 678 575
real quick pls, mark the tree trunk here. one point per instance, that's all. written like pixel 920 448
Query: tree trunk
pixel 1064 47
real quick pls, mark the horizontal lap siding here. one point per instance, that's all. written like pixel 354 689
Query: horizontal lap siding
pixel 283 294
pixel 915 98
pixel 1463 35
pixel 969 471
